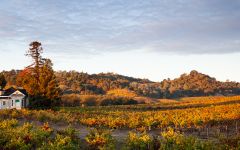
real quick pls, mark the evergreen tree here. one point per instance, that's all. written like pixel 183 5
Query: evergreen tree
pixel 35 50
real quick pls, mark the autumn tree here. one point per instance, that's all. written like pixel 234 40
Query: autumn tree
pixel 28 82
pixel 3 81
pixel 48 85
pixel 39 79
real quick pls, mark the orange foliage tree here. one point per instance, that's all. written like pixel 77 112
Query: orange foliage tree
pixel 39 79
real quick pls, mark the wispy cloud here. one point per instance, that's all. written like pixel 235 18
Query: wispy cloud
pixel 93 27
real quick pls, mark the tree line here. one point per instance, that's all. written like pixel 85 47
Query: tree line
pixel 187 85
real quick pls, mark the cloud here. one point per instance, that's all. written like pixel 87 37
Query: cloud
pixel 94 27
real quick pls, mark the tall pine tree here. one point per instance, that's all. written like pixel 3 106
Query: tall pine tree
pixel 39 79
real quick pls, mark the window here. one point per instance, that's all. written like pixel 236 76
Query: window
pixel 12 102
pixel 4 103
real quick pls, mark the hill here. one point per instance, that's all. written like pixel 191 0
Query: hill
pixel 198 84
pixel 187 85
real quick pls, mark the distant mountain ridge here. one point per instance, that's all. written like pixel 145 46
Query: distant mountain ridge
pixel 187 85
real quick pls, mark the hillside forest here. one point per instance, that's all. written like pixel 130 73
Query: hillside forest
pixel 187 85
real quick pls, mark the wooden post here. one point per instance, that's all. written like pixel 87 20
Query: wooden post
pixel 207 133
pixel 149 128
pixel 226 130
pixel 237 127
pixel 199 131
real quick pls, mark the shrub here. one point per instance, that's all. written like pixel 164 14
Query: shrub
pixel 8 123
pixel 89 100
pixel 71 100
pixel 230 142
pixel 141 141
pixel 175 140
pixel 22 137
pixel 100 139
pixel 95 100
pixel 60 143
pixel 27 136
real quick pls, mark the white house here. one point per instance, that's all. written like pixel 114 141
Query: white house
pixel 13 98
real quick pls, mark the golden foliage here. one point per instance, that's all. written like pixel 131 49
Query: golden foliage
pixel 122 93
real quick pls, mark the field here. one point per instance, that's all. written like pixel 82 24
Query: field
pixel 188 123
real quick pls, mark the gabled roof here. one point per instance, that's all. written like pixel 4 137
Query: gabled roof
pixel 23 91
pixel 11 90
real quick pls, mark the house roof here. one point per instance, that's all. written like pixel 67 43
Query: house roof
pixel 11 90
pixel 1 97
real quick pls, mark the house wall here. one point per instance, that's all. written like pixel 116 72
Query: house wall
pixel 7 103
pixel 17 102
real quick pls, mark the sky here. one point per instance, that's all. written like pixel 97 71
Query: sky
pixel 154 39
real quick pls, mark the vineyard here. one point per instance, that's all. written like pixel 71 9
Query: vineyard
pixel 188 123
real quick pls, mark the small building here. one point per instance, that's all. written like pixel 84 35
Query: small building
pixel 13 98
